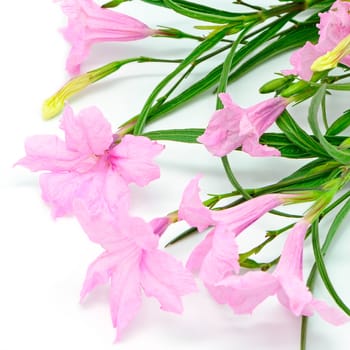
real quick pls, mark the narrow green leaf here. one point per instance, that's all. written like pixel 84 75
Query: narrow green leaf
pixel 113 3
pixel 294 38
pixel 197 52
pixel 213 76
pixel 321 266
pixel 298 136
pixel 211 16
pixel 337 154
pixel 197 8
pixel 179 135
pixel 340 124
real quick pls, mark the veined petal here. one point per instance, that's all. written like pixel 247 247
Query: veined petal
pixel 330 314
pixel 222 259
pixel 199 253
pixel 133 159
pixel 249 290
pixel 125 294
pixel 89 133
pixel 165 278
pixel 191 208
pixel 99 272
pixel 59 190
pixel 48 152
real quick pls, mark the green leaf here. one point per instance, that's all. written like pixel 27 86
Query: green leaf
pixel 197 52
pixel 310 176
pixel 284 145
pixel 209 16
pixel 337 154
pixel 339 125
pixel 194 10
pixel 113 3
pixel 189 135
pixel 321 266
pixel 298 136
pixel 294 38
pixel 213 76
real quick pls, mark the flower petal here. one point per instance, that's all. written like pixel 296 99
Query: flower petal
pixel 133 159
pixel 88 133
pixel 249 290
pixel 191 208
pixel 165 278
pixel 222 258
pixel 125 295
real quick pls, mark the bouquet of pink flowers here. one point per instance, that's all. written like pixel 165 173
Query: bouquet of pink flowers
pixel 90 173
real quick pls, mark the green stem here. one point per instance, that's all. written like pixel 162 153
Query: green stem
pixel 233 180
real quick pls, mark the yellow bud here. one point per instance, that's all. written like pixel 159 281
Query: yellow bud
pixel 54 104
pixel 331 58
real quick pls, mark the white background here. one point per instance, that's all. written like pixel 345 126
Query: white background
pixel 43 261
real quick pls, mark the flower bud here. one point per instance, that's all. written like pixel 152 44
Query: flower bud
pixel 275 84
pixel 294 88
pixel 54 104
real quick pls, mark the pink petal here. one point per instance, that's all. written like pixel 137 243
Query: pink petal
pixel 290 263
pixel 293 294
pixel 199 253
pixel 48 152
pixel 159 225
pixel 222 258
pixel 88 133
pixel 133 159
pixel 191 208
pixel 88 23
pixel 99 272
pixel 330 314
pixel 247 291
pixel 138 231
pixel 59 190
pixel 222 133
pixel 125 295
pixel 241 216
pixel 302 59
pixel 252 146
pixel 166 279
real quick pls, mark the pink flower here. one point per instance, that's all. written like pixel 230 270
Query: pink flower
pixel 131 262
pixel 217 255
pixel 244 293
pixel 88 24
pixel 333 27
pixel 88 164
pixel 302 60
pixel 233 126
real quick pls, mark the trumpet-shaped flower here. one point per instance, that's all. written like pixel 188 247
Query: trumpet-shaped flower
pixel 88 164
pixel 131 262
pixel 88 24
pixel 244 293
pixel 217 255
pixel 334 26
pixel 233 127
